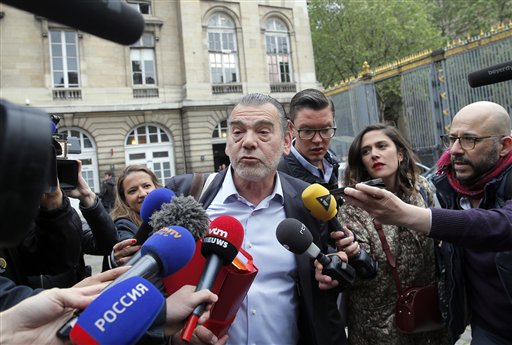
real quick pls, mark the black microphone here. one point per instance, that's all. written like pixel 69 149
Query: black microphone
pixel 491 75
pixel 322 205
pixel 297 238
pixel 113 20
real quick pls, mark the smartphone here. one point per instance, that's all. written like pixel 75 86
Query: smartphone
pixel 378 182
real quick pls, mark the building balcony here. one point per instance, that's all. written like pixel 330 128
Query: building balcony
pixel 283 87
pixel 65 94
pixel 218 89
pixel 145 92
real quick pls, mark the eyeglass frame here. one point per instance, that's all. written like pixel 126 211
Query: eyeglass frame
pixel 301 130
pixel 450 144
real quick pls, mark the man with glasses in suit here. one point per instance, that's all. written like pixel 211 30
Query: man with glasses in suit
pixel 311 119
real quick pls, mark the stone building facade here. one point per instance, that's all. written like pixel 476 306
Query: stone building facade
pixel 162 101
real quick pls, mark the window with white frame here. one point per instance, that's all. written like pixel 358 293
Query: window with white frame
pixel 143 7
pixel 143 61
pixel 151 145
pixel 64 58
pixel 222 49
pixel 221 130
pixel 278 51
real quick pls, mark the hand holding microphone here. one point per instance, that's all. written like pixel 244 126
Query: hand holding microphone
pixel 220 247
pixel 164 253
pixel 119 315
pixel 126 252
pixel 297 238
pixel 322 205
pixel 182 303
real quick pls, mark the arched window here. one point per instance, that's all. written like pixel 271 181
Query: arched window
pixel 87 155
pixel 277 43
pixel 152 146
pixel 222 49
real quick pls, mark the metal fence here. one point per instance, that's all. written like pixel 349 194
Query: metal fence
pixel 433 88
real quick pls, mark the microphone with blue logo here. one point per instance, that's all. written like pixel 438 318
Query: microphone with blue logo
pixel 152 203
pixel 119 315
pixel 165 252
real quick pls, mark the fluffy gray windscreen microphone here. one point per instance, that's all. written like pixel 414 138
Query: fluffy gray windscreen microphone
pixel 183 211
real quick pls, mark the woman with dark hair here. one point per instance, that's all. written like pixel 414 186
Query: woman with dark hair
pixel 380 151
pixel 134 184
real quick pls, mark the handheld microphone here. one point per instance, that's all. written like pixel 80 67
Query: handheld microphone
pixel 220 247
pixel 113 20
pixel 164 253
pixel 491 75
pixel 152 203
pixel 297 238
pixel 322 205
pixel 120 315
pixel 184 211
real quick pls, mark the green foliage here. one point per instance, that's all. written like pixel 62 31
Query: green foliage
pixel 346 33
pixel 459 18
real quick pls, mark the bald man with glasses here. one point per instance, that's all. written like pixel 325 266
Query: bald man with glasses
pixel 311 120
pixel 474 187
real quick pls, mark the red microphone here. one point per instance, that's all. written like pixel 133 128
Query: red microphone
pixel 220 247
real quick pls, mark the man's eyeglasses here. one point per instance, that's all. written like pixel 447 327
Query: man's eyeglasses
pixel 466 142
pixel 307 133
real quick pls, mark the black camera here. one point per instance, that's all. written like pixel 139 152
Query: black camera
pixel 62 168
pixel 25 139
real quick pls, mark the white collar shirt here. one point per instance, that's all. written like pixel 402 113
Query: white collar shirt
pixel 269 312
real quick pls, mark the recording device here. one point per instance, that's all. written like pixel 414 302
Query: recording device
pixel 322 205
pixel 297 238
pixel 152 203
pixel 165 252
pixel 183 211
pixel 120 315
pixel 25 133
pixel 156 212
pixel 25 139
pixel 491 75
pixel 62 169
pixel 220 247
pixel 378 182
pixel 113 20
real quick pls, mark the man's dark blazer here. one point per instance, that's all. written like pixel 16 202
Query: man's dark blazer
pixel 319 319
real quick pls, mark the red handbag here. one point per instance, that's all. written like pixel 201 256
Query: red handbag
pixel 417 307
pixel 417 310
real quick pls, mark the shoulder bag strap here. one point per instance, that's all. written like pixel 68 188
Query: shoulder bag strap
pixel 209 180
pixel 389 256
pixel 197 185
